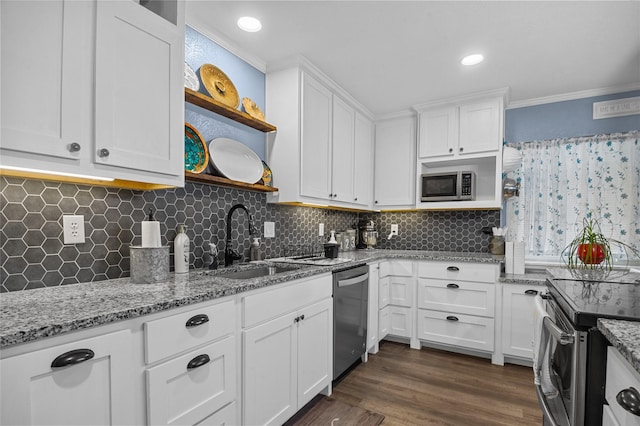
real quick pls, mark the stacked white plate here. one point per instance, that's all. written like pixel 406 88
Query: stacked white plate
pixel 235 160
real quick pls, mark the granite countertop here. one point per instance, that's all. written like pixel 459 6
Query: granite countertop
pixel 625 337
pixel 26 316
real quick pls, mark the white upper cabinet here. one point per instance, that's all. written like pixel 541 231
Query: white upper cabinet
pixel 395 148
pixel 322 151
pixel 438 132
pixel 93 88
pixel 44 79
pixel 139 101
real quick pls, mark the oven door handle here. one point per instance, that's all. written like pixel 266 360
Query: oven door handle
pixel 557 333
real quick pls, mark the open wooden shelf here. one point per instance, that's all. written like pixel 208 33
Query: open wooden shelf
pixel 208 103
pixel 220 181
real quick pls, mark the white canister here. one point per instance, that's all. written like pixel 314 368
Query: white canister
pixel 181 251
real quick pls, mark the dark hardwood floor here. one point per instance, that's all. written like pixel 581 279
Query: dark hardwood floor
pixel 432 387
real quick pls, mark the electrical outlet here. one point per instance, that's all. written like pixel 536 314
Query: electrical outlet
pixel 394 229
pixel 321 230
pixel 269 229
pixel 73 229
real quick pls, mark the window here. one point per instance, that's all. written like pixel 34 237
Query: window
pixel 564 179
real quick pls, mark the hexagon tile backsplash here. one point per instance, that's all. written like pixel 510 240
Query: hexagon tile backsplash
pixel 32 253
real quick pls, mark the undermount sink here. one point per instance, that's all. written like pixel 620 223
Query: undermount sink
pixel 257 272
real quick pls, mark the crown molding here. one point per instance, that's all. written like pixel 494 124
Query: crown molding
pixel 496 93
pixel 573 96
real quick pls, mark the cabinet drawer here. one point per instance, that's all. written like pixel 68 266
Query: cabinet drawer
pixel 620 376
pixel 461 297
pixel 461 271
pixel 399 268
pixel 171 335
pixel 181 395
pixel 225 417
pixel 460 330
pixel 260 307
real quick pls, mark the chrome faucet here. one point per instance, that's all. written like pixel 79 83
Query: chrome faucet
pixel 229 253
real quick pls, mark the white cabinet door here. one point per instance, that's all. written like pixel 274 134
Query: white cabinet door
pixel 96 391
pixel 480 126
pixel 342 151
pixel 139 89
pixel 363 162
pixel 401 290
pixel 315 167
pixel 400 321
pixel 467 331
pixel 438 133
pixel 395 149
pixel 517 319
pixel 372 312
pixel 383 291
pixel 384 322
pixel 270 371
pixel 315 350
pixel 45 62
pixel 457 296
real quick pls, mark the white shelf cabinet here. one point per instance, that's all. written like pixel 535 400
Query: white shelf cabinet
pixel 395 146
pixel 71 102
pixel 322 153
pixel 95 391
pixel 467 134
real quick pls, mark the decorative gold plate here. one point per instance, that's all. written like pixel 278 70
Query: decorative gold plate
pixel 252 109
pixel 219 86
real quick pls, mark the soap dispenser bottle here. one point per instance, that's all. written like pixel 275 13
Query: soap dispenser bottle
pixel 181 251
pixel 254 252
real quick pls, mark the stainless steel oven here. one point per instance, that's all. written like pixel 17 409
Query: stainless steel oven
pixel 577 355
pixel 567 367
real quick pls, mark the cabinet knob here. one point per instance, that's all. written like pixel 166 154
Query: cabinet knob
pixel 103 152
pixel 198 361
pixel 355 199
pixel 73 357
pixel 629 399
pixel 375 202
pixel 450 149
pixel 461 149
pixel 531 292
pixel 197 320
pixel 74 147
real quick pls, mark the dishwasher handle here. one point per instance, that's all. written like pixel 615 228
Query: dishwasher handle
pixel 354 280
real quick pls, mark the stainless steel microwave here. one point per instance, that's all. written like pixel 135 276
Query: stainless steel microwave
pixel 449 186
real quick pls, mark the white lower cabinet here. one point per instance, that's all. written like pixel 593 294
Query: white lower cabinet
pixel 624 380
pixel 91 385
pixel 372 311
pixel 517 319
pixel 451 328
pixel 396 300
pixel 287 349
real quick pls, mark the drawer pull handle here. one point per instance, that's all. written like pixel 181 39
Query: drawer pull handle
pixel 198 361
pixel 531 292
pixel 452 285
pixel 73 357
pixel 452 318
pixel 629 399
pixel 197 320
pixel 453 268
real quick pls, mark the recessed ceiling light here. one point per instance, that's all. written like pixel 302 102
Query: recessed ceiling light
pixel 472 59
pixel 249 24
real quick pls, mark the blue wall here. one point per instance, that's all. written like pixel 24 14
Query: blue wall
pixel 249 81
pixel 565 119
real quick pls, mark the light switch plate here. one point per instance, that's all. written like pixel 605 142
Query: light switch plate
pixel 269 229
pixel 394 229
pixel 73 229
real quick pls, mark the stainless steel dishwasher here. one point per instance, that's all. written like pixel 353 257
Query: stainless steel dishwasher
pixel 350 302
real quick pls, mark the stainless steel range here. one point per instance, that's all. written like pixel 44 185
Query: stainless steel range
pixel 578 349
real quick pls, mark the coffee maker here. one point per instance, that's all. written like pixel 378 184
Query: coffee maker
pixel 367 234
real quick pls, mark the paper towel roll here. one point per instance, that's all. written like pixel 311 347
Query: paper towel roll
pixel 150 233
pixel 508 257
pixel 518 258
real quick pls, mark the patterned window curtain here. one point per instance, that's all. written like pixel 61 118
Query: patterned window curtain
pixel 562 180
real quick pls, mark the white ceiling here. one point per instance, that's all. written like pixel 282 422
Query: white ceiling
pixel 390 55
